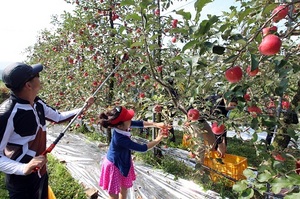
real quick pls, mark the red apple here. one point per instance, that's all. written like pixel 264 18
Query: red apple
pixel 174 23
pixel 193 114
pixel 282 11
pixel 157 108
pixel 285 104
pixel 217 129
pixel 157 12
pixel 269 30
pixel 270 45
pixel 254 110
pixel 252 73
pixel 247 97
pixel 234 74
pixel 278 157
pixel 159 69
pixel 95 83
pixel 142 95
pixel 173 39
pixel 146 77
pixel 71 60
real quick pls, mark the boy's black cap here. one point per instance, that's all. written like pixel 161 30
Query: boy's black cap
pixel 17 74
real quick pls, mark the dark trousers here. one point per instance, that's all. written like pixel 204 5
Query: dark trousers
pixel 27 187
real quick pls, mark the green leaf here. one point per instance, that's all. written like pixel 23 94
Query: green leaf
pixel 248 173
pixel 292 196
pixel 280 183
pixel 240 186
pixel 248 193
pixel 292 133
pixel 144 4
pixel 205 26
pixel 244 14
pixel 136 44
pixel 133 16
pixel 264 177
pixel 254 62
pixel 254 123
pixel 230 59
pixel 254 137
pixel 224 27
pixel 189 45
pixel 294 178
pixel 279 63
pixel 127 3
pixel 185 15
pixel 199 4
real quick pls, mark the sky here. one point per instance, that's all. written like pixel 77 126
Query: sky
pixel 20 23
pixel 22 20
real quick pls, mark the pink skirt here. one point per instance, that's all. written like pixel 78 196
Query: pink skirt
pixel 111 178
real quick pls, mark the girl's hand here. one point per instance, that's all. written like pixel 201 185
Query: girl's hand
pixel 162 125
pixel 160 136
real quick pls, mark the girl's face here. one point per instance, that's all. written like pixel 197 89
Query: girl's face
pixel 125 126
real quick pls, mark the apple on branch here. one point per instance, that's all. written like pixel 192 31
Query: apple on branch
pixel 193 115
pixel 270 45
pixel 285 104
pixel 174 39
pixel 282 12
pixel 142 95
pixel 217 129
pixel 234 74
pixel 269 30
pixel 157 108
pixel 247 97
pixel 174 23
pixel 252 73
pixel 254 110
pixel 278 157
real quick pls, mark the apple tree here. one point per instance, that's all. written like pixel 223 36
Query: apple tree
pixel 177 61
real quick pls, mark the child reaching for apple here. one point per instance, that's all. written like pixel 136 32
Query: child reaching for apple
pixel 117 169
pixel 219 111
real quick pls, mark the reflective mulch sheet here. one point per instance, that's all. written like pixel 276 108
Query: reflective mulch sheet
pixel 83 159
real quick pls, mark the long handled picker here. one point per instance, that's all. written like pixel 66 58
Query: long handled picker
pixel 51 147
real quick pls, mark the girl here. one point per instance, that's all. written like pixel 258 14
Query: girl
pixel 117 171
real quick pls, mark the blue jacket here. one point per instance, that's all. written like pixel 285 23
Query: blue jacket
pixel 119 152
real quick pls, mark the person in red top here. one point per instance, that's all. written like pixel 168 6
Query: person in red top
pixel 23 119
pixel 117 171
